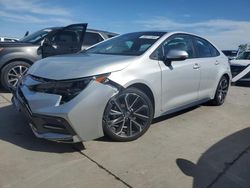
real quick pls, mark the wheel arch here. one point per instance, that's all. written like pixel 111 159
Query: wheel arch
pixel 143 87
pixel 16 59
pixel 227 75
pixel 10 61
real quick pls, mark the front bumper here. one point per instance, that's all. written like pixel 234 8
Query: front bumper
pixel 78 120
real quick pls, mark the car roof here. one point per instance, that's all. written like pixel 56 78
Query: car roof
pixel 166 32
pixel 151 31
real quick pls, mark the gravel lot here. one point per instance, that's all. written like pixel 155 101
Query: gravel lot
pixel 200 147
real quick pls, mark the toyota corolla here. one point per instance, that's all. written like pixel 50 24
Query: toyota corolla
pixel 117 87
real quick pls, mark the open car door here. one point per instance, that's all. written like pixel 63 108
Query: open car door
pixel 67 40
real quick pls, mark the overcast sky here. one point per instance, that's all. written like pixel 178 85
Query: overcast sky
pixel 225 22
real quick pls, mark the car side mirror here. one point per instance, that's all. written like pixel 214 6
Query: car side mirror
pixel 26 34
pixel 175 55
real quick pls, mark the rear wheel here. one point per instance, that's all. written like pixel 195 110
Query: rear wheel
pixel 128 115
pixel 12 72
pixel 221 92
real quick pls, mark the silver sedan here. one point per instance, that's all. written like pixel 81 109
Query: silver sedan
pixel 117 87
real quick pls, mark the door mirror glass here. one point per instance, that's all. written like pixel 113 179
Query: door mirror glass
pixel 175 55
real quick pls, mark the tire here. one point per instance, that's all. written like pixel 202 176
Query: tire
pixel 12 72
pixel 128 115
pixel 221 92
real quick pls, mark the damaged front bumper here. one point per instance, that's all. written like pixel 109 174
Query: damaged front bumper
pixel 78 120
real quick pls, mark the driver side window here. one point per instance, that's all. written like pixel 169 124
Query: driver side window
pixel 71 35
pixel 183 43
pixel 176 42
pixel 65 37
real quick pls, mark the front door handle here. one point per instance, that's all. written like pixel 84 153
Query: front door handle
pixel 196 66
pixel 217 63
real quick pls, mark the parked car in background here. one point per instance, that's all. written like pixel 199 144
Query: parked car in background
pixel 8 39
pixel 231 54
pixel 242 48
pixel 17 57
pixel 118 86
pixel 240 67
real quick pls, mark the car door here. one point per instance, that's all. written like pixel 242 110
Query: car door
pixel 91 38
pixel 180 80
pixel 67 40
pixel 207 57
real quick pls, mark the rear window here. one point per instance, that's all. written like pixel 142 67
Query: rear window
pixel 214 51
pixel 202 47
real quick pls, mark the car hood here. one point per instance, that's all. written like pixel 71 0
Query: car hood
pixel 15 44
pixel 240 62
pixel 78 65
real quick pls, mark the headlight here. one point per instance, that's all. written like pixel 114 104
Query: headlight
pixel 68 89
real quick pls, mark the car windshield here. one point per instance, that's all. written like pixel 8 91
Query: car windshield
pixel 244 55
pixel 35 37
pixel 132 44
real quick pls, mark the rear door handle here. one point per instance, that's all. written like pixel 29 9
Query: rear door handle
pixel 196 66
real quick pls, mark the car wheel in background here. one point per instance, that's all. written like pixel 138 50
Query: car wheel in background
pixel 128 115
pixel 12 72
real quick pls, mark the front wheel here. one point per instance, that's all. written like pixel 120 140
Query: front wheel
pixel 12 73
pixel 128 115
pixel 221 92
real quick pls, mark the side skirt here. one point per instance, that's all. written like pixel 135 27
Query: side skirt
pixel 185 106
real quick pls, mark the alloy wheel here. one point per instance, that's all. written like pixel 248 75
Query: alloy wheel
pixel 127 115
pixel 222 90
pixel 15 74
